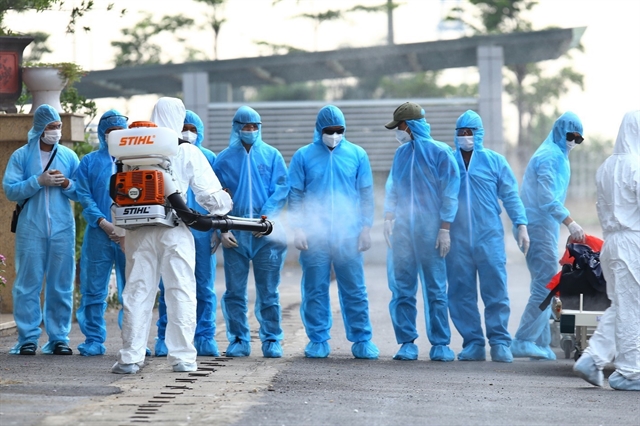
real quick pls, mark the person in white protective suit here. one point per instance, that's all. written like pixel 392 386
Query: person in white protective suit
pixel 617 338
pixel 154 252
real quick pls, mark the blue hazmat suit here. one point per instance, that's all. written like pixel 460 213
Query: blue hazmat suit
pixel 331 201
pixel 422 194
pixel 45 237
pixel 205 271
pixel 544 189
pixel 258 183
pixel 477 242
pixel 99 253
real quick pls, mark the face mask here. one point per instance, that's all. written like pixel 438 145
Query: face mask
pixel 402 136
pixel 331 140
pixel 249 137
pixel 189 136
pixel 570 146
pixel 465 142
pixel 51 137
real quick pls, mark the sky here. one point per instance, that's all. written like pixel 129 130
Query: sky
pixel 610 62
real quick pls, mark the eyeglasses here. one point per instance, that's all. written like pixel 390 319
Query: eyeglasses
pixel 575 136
pixel 332 131
pixel 465 131
pixel 114 120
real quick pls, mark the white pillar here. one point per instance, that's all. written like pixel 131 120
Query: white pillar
pixel 490 63
pixel 195 92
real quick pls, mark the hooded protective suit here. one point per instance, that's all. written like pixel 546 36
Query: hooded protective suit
pixel 617 338
pixel 259 185
pixel 477 245
pixel 99 252
pixel 154 252
pixel 45 237
pixel 331 201
pixel 205 271
pixel 544 189
pixel 422 194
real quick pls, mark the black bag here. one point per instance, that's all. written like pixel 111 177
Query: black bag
pixel 16 212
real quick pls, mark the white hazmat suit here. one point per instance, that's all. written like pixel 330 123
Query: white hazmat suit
pixel 617 338
pixel 154 252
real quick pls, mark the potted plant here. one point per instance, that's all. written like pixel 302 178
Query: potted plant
pixel 45 82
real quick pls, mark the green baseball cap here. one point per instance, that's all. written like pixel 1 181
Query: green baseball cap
pixel 406 111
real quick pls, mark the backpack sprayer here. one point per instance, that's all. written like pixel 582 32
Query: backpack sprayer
pixel 144 191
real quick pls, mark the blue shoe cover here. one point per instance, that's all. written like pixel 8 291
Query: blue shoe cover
pixel 365 350
pixel 618 382
pixel 526 349
pixel 126 368
pixel 15 350
pixel 147 352
pixel 317 349
pixel 586 369
pixel 183 367
pixel 91 349
pixel 50 346
pixel 271 349
pixel 473 353
pixel 549 355
pixel 239 348
pixel 441 353
pixel 501 353
pixel 206 346
pixel 408 352
pixel 161 348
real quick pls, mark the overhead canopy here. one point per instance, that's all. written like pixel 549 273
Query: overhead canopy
pixel 519 48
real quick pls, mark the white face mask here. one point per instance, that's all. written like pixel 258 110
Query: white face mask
pixel 465 142
pixel 189 136
pixel 570 146
pixel 331 140
pixel 402 136
pixel 51 137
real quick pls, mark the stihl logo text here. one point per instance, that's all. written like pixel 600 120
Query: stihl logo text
pixel 137 140
pixel 136 210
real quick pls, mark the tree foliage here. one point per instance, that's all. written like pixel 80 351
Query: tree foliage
pixel 215 20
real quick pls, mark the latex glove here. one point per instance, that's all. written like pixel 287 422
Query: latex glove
pixel 576 231
pixel 364 240
pixel 51 178
pixel 215 241
pixel 523 239
pixel 109 229
pixel 300 240
pixel 388 230
pixel 443 242
pixel 228 240
pixel 121 242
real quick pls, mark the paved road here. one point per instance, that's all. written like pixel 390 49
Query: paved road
pixel 51 390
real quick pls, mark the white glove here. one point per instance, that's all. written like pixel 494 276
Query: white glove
pixel 228 240
pixel 523 238
pixel 109 229
pixel 300 240
pixel 576 231
pixel 121 242
pixel 215 241
pixel 364 240
pixel 388 230
pixel 443 242
pixel 51 178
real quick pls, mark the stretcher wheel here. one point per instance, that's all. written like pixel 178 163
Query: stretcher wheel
pixel 567 347
pixel 577 355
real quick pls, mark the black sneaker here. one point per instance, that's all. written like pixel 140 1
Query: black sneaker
pixel 61 348
pixel 28 349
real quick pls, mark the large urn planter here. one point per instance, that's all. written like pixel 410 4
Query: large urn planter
pixel 45 85
pixel 11 49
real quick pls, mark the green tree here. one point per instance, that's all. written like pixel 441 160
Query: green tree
pixel 138 47
pixel 38 47
pixel 215 20
pixel 387 8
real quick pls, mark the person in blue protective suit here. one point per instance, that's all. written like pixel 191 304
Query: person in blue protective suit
pixel 38 179
pixel 477 243
pixel 101 248
pixel 206 242
pixel 256 176
pixel 331 208
pixel 420 204
pixel 544 189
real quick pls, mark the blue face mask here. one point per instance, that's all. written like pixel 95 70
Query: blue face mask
pixel 249 137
